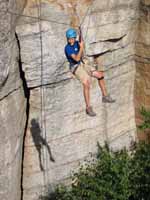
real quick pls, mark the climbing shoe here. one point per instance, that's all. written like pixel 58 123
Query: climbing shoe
pixel 90 112
pixel 108 99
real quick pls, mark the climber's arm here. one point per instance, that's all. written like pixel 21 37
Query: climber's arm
pixel 77 57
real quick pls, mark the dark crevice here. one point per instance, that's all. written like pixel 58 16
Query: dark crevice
pixel 27 96
pixel 100 54
pixel 22 74
pixel 107 51
pixel 147 59
pixel 113 40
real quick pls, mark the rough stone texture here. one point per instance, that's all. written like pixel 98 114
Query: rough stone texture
pixel 12 110
pixel 142 58
pixel 59 134
pixel 12 104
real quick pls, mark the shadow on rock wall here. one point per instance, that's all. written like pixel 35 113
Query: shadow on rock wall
pixel 39 141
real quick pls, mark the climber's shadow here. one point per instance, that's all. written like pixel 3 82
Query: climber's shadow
pixel 39 141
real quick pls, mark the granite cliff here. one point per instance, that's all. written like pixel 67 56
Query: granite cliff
pixel 42 107
pixel 12 103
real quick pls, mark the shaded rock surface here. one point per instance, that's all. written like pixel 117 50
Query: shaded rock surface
pixel 59 134
pixel 12 104
pixel 142 59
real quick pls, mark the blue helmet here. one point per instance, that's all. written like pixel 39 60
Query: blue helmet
pixel 71 33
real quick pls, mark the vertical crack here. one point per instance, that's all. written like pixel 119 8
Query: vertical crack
pixel 27 96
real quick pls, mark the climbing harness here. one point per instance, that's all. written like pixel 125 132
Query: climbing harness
pixel 101 78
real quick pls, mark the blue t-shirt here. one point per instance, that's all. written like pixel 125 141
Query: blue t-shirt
pixel 72 49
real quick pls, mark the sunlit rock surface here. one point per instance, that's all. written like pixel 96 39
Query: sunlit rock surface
pixel 12 104
pixel 60 134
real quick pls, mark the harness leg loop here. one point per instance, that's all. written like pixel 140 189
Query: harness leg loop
pixel 101 78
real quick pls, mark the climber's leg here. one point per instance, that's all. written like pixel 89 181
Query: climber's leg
pixel 85 79
pixel 96 74
pixel 86 92
pixel 100 77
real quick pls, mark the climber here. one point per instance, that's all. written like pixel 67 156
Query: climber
pixel 82 69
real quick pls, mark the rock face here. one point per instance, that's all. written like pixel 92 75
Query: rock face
pixel 59 134
pixel 12 104
pixel 142 58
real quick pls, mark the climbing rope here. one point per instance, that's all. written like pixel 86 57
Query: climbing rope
pixel 49 20
pixel 90 7
pixel 81 38
pixel 42 95
pixel 32 17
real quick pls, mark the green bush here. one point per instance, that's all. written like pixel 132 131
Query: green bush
pixel 140 172
pixel 146 119
pixel 112 176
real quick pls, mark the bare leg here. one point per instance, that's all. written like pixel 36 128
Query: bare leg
pixel 101 83
pixel 86 92
pixel 102 86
